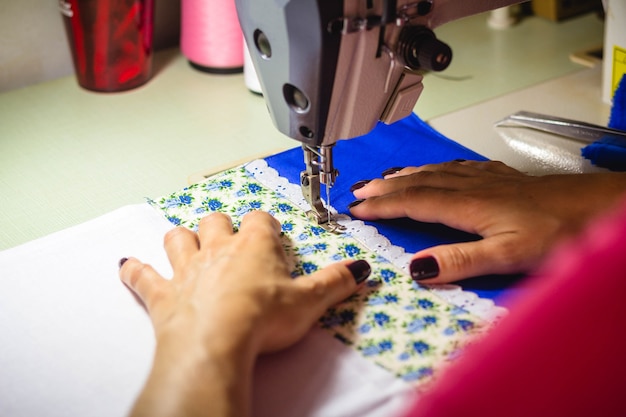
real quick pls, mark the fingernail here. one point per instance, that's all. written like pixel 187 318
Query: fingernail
pixel 359 184
pixel 122 262
pixel 355 203
pixel 360 270
pixel 423 268
pixel 392 171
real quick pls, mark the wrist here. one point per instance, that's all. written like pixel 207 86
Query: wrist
pixel 197 375
pixel 202 354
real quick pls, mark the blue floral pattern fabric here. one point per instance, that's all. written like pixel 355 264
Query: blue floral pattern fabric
pixel 392 321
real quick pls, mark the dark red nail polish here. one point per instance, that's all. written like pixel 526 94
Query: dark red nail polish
pixel 355 203
pixel 359 184
pixel 392 171
pixel 122 262
pixel 423 268
pixel 360 270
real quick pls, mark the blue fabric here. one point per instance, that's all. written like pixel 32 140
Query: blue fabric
pixel 408 142
pixel 610 151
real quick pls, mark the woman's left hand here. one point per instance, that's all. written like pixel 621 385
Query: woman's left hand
pixel 520 217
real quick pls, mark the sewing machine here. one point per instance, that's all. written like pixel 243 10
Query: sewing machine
pixel 331 69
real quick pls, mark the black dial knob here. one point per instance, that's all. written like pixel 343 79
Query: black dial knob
pixel 421 49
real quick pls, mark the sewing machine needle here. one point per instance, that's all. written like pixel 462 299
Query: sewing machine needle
pixel 328 201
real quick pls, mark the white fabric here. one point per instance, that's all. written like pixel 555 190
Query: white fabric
pixel 75 342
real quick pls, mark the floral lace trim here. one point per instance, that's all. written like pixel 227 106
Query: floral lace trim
pixel 377 243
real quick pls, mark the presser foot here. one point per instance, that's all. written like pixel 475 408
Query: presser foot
pixel 319 168
pixel 318 214
pixel 325 221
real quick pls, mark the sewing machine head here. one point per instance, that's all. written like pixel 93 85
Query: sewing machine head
pixel 331 69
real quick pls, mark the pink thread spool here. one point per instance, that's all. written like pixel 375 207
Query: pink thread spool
pixel 211 37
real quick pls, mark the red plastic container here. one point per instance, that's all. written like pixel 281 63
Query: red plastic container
pixel 111 42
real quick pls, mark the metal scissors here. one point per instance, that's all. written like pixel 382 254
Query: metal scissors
pixel 582 131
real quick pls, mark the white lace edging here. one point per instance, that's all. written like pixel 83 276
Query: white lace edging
pixel 377 243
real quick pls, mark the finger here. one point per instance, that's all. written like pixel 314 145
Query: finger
pixel 331 285
pixel 450 175
pixel 143 280
pixel 495 167
pixel 459 167
pixel 500 254
pixel 213 228
pixel 261 222
pixel 469 168
pixel 452 167
pixel 309 297
pixel 393 171
pixel 180 244
pixel 435 179
pixel 430 205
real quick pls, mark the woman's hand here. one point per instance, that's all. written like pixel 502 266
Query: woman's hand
pixel 519 216
pixel 230 299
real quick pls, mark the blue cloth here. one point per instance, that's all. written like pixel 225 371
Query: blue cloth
pixel 408 142
pixel 610 151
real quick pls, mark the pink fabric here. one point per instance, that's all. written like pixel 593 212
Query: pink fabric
pixel 561 351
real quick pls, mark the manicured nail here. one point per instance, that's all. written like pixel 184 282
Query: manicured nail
pixel 360 270
pixel 122 262
pixel 355 203
pixel 359 184
pixel 392 171
pixel 423 268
